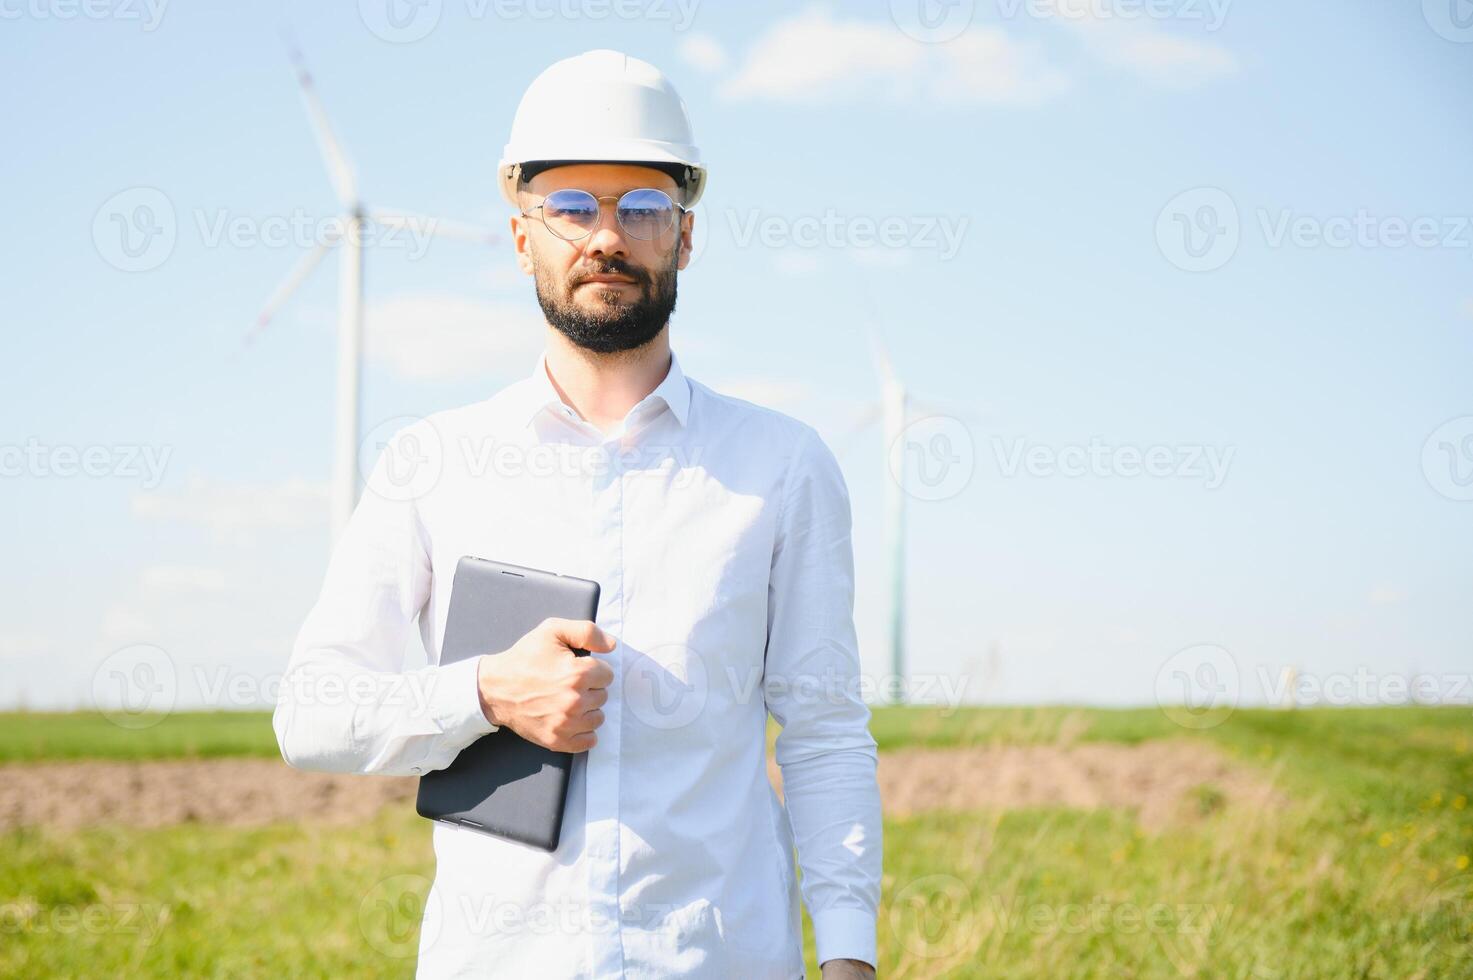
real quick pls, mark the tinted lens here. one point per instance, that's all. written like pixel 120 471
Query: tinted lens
pixel 570 214
pixel 646 213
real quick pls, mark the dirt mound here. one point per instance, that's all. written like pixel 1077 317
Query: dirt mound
pixel 1159 780
pixel 235 792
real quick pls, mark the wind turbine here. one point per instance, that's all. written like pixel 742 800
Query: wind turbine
pixel 893 410
pixel 893 419
pixel 354 219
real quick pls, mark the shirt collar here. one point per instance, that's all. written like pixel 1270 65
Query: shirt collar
pixel 673 391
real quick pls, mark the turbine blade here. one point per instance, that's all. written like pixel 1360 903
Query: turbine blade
pixel 339 169
pixel 283 292
pixel 881 356
pixel 868 415
pixel 442 227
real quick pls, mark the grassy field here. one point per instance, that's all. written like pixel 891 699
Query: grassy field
pixel 1364 873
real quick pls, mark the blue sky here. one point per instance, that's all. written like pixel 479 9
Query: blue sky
pixel 1222 230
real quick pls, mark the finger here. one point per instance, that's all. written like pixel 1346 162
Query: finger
pixel 582 742
pixel 590 720
pixel 596 675
pixel 582 634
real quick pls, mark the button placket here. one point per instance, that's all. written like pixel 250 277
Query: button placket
pixel 602 800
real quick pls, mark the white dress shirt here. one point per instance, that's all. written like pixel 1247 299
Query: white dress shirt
pixel 719 532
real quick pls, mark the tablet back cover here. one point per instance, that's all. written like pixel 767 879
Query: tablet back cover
pixel 502 784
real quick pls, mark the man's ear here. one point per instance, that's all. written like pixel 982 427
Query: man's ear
pixel 521 239
pixel 687 239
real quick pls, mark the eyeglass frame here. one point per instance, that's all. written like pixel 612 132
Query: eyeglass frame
pixel 678 210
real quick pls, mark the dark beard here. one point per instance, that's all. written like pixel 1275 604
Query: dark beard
pixel 621 327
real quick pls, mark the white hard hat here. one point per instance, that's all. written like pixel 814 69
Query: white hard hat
pixel 602 107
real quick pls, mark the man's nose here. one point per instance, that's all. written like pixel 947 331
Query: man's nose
pixel 607 237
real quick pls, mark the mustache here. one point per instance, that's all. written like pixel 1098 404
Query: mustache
pixel 610 267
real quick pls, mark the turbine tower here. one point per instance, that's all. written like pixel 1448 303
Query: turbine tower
pixel 355 219
pixel 893 416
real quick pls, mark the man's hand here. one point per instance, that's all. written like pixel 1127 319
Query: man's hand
pixel 846 970
pixel 544 693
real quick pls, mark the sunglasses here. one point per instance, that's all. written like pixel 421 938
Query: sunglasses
pixel 644 213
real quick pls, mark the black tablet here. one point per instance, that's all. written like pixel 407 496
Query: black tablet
pixel 502 784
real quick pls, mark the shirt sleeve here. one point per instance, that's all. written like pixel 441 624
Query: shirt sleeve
pixel 811 686
pixel 345 703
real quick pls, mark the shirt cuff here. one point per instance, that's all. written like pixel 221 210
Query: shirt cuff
pixel 456 703
pixel 844 934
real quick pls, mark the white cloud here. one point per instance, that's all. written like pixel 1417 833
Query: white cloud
pixel 772 392
pixel 235 507
pixel 176 579
pixel 796 264
pixel 1387 595
pixel 816 59
pixel 1143 48
pixel 436 337
pixel 703 52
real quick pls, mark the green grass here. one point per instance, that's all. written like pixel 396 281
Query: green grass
pixel 1364 874
pixel 34 736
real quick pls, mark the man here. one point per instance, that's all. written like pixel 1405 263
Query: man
pixel 719 532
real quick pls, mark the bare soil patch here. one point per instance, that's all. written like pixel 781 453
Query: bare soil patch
pixel 1160 781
